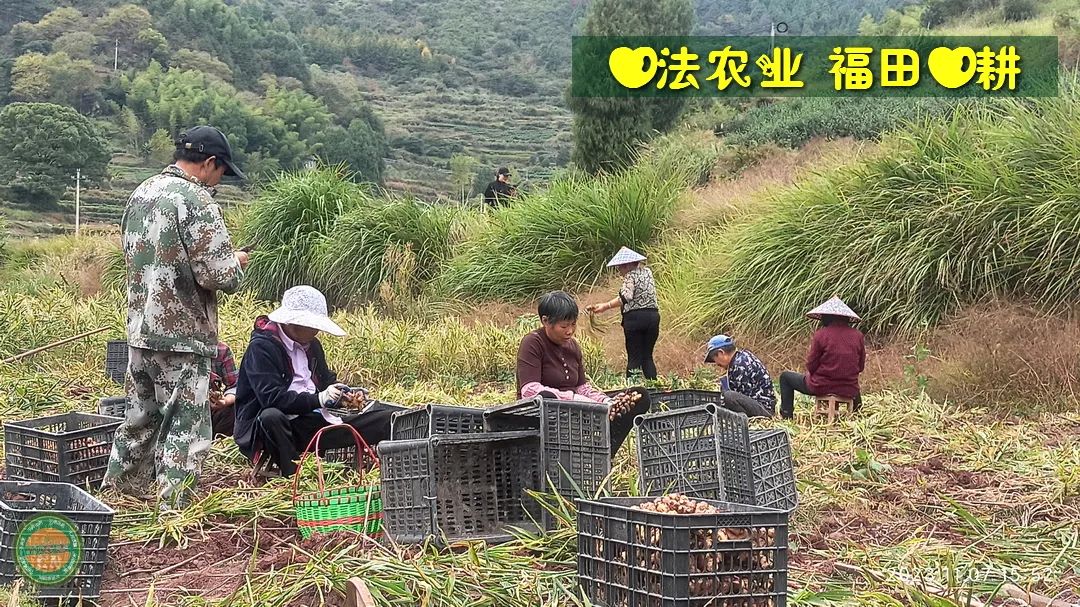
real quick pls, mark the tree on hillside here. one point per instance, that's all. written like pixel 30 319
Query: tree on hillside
pixel 202 61
pixel 462 172
pixel 44 145
pixel 362 146
pixel 341 94
pixel 302 113
pixel 606 131
pixel 173 100
pixel 55 78
pixel 60 21
pixel 77 45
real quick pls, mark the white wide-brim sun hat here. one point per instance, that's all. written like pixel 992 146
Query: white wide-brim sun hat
pixel 624 256
pixel 834 307
pixel 305 306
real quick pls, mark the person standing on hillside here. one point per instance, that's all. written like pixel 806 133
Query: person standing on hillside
pixel 178 255
pixel 836 358
pixel 640 311
pixel 499 191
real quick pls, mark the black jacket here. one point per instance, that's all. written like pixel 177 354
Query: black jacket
pixel 265 376
pixel 498 192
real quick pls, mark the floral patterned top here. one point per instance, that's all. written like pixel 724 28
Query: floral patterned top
pixel 747 375
pixel 638 290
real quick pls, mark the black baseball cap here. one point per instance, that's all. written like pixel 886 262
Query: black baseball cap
pixel 211 141
pixel 503 171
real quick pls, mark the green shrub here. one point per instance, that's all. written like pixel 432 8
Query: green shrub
pixel 793 123
pixel 1018 10
pixel 353 259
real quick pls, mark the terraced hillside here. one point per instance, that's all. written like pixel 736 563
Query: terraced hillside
pixel 530 135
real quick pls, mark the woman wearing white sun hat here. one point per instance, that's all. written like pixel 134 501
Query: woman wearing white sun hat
pixel 640 311
pixel 285 385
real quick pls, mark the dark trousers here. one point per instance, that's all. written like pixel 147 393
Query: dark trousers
pixel 223 421
pixel 741 403
pixel 641 328
pixel 791 382
pixel 620 428
pixel 285 439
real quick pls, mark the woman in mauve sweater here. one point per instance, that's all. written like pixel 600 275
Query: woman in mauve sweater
pixel 549 364
pixel 836 358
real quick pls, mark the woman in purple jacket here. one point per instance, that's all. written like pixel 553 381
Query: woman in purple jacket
pixel 836 358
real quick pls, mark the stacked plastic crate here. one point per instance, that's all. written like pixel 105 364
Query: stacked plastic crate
pixel 734 555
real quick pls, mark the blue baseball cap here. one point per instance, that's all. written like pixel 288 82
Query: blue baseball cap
pixel 716 343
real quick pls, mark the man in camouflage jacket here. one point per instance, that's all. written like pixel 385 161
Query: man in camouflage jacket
pixel 178 255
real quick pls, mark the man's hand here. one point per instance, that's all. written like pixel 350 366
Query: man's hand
pixel 242 258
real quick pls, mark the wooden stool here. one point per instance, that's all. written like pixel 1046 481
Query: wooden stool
pixel 829 405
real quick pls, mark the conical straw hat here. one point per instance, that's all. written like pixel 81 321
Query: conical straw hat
pixel 833 307
pixel 625 255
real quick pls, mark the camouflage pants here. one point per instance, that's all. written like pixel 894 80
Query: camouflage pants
pixel 167 424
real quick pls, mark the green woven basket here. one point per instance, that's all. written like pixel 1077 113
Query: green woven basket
pixel 351 508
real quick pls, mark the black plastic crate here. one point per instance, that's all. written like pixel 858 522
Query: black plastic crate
pixel 774 472
pixel 69 448
pixel 432 420
pixel 113 406
pixel 116 360
pixel 677 453
pixel 58 513
pixel 575 437
pixel 455 487
pixel 681 399
pixel 637 558
pixel 710 452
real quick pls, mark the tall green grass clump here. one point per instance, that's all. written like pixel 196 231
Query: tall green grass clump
pixel 980 206
pixel 563 236
pixel 288 221
pixel 686 266
pixel 370 245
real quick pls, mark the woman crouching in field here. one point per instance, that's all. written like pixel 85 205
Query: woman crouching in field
pixel 549 365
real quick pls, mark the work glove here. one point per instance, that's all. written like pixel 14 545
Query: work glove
pixel 331 395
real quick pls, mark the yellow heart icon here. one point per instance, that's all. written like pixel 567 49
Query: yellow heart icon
pixel 633 68
pixel 947 66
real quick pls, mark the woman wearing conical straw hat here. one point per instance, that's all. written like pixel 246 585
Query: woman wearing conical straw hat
pixel 836 358
pixel 640 311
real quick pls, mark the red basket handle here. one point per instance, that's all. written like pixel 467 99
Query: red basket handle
pixel 361 445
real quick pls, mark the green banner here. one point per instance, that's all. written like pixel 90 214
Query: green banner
pixel 815 66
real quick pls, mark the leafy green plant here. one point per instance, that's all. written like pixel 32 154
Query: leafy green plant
pixel 866 468
pixel 912 369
